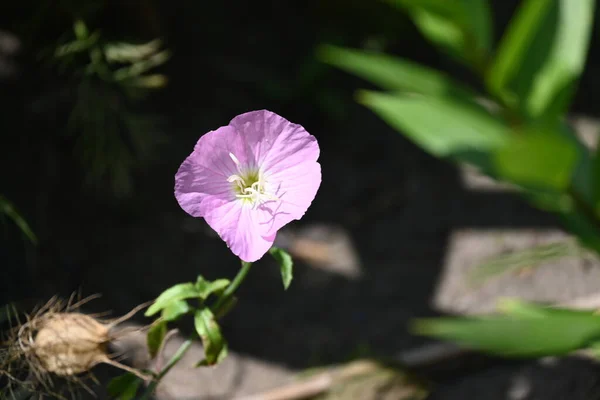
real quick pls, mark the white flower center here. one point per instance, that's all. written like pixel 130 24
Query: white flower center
pixel 250 185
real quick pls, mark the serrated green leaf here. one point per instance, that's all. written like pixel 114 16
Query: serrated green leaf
pixel 442 127
pixel 539 158
pixel 215 346
pixel 175 310
pixel 392 73
pixel 156 335
pixel 124 387
pixel 555 333
pixel 175 293
pixel 286 265
pixel 206 288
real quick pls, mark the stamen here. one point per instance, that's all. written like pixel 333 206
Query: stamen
pixel 255 192
pixel 235 160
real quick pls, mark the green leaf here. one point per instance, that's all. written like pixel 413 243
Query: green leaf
pixel 173 294
pixel 156 335
pixel 215 347
pixel 542 55
pixel 392 73
pixel 7 208
pixel 539 158
pixel 526 258
pixel 518 48
pixel 124 387
pixel 583 226
pixel 286 265
pixel 442 127
pixel 462 27
pixel 548 333
pixel 175 310
pixel 555 80
pixel 206 288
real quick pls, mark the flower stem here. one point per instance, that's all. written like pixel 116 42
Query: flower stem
pixel 174 360
pixel 230 290
pixel 219 308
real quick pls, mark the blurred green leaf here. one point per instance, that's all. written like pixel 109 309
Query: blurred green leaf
pixel 175 310
pixel 124 387
pixel 286 265
pixel 7 208
pixel 584 226
pixel 522 259
pixel 173 294
pixel 542 55
pixel 520 308
pixel 156 335
pixel 206 288
pixel 442 127
pixel 392 73
pixel 539 158
pixel 553 333
pixel 462 27
pixel 555 80
pixel 215 346
pixel 519 50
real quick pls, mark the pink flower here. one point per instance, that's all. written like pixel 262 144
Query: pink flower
pixel 250 178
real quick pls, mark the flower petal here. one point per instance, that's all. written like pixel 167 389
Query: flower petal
pixel 274 141
pixel 296 188
pixel 236 224
pixel 201 181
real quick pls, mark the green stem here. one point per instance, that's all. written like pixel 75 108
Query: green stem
pixel 228 293
pixel 174 360
pixel 222 302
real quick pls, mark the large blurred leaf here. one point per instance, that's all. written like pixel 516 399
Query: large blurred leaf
pixel 462 27
pixel 442 127
pixel 215 346
pixel 392 73
pixel 542 54
pixel 550 333
pixel 541 158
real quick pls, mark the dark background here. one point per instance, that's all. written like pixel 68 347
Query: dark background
pixel 398 204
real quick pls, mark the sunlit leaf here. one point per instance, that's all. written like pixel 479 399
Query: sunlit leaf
pixel 392 73
pixel 462 27
pixel 539 158
pixel 542 55
pixel 206 288
pixel 554 333
pixel 286 265
pixel 440 126
pixel 175 293
pixel 215 346
pixel 175 310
